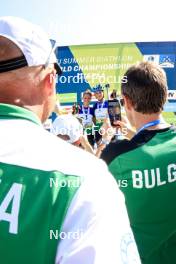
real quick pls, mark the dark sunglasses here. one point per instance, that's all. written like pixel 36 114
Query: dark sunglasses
pixel 122 102
pixel 56 65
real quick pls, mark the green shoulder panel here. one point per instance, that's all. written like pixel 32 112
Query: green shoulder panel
pixel 147 177
pixel 32 204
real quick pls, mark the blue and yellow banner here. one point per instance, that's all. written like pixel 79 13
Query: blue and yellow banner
pixel 85 66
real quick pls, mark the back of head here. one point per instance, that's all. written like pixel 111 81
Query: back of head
pixel 67 125
pixel 146 87
pixel 26 61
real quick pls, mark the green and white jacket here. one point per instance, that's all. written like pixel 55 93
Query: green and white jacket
pixel 58 204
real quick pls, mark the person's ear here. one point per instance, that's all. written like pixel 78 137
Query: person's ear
pixel 50 81
pixel 127 102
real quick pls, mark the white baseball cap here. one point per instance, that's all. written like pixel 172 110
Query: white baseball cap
pixel 68 125
pixel 32 41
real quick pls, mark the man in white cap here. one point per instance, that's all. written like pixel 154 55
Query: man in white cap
pixel 68 128
pixel 58 204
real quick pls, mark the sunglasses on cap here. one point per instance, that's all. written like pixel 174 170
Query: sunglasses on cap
pixel 20 62
pixel 56 65
pixel 122 102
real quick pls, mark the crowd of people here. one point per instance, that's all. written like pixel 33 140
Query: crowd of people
pixel 122 212
pixel 93 131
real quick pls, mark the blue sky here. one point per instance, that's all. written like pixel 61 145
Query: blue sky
pixel 98 21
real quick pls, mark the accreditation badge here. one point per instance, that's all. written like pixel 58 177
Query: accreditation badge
pixel 101 114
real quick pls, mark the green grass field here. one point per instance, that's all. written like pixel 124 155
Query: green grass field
pixel 169 117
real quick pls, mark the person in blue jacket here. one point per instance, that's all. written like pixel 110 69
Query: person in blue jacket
pixel 100 111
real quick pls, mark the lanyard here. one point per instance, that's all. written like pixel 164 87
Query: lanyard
pixel 100 106
pixel 84 112
pixel 149 124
